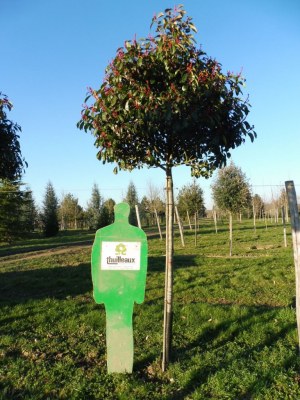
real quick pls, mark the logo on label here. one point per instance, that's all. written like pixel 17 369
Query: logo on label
pixel 121 250
pixel 120 256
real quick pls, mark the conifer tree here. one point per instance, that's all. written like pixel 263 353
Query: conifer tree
pixel 132 199
pixel 11 202
pixel 50 212
pixel 94 209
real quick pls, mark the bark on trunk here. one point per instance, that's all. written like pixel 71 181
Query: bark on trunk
pixel 168 308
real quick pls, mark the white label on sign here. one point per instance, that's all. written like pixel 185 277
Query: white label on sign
pixel 116 256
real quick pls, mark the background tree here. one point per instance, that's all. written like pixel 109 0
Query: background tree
pixel 69 212
pixel 231 193
pixel 12 164
pixel 12 202
pixel 94 209
pixel 152 205
pixel 132 199
pixel 108 205
pixel 258 206
pixel 283 203
pixel 164 103
pixel 28 211
pixel 190 199
pixel 50 212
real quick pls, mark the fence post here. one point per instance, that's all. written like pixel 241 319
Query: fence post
pixel 295 223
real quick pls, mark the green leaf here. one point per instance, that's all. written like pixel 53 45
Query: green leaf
pixel 184 78
pixel 193 28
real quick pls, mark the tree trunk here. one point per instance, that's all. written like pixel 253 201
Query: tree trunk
pixel 230 234
pixel 168 309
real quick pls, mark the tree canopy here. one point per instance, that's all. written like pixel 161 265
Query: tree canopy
pixel 190 199
pixel 231 190
pixel 163 102
pixel 50 212
pixel 12 163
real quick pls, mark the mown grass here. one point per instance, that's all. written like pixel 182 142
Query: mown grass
pixel 234 331
pixel 37 242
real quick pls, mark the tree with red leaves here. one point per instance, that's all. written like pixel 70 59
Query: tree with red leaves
pixel 164 103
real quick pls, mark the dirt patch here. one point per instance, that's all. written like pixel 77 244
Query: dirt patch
pixel 43 253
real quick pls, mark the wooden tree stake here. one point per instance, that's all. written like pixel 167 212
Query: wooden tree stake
pixel 179 226
pixel 230 234
pixel 295 223
pixel 158 224
pixel 284 226
pixel 188 216
pixel 138 216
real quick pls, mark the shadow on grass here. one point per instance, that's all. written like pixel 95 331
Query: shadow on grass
pixel 58 282
pixel 214 340
pixel 157 263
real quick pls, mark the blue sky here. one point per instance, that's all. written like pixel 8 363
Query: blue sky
pixel 52 50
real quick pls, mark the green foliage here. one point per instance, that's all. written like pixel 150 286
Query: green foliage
pixel 12 164
pixel 50 212
pixel 69 212
pixel 164 102
pixel 94 209
pixel 231 190
pixel 258 205
pixel 190 198
pixel 132 199
pixel 99 213
pixel 108 211
pixel 17 211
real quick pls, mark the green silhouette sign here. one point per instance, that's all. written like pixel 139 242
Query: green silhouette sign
pixel 119 268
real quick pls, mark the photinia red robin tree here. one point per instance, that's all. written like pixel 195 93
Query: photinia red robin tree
pixel 164 103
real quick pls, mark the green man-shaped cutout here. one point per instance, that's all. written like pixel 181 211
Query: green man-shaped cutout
pixel 119 268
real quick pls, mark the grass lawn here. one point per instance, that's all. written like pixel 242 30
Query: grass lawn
pixel 234 333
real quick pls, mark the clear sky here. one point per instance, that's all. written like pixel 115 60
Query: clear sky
pixel 52 50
